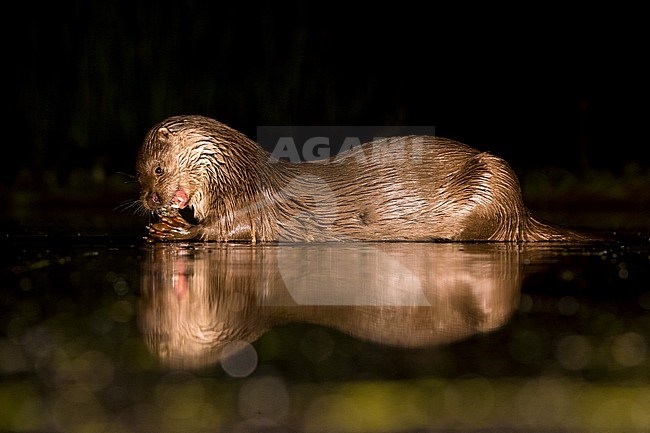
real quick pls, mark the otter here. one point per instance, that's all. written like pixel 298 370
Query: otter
pixel 206 181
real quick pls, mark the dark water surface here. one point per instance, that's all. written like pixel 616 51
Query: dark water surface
pixel 104 333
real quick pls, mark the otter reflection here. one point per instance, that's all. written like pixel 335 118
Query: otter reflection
pixel 199 299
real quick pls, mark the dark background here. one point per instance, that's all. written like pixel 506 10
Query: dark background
pixel 550 89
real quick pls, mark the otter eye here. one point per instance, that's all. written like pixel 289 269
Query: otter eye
pixel 158 170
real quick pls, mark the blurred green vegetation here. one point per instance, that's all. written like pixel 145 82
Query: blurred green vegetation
pixel 183 402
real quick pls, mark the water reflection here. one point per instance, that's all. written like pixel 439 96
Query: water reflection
pixel 205 302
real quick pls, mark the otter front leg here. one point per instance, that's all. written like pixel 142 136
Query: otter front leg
pixel 171 227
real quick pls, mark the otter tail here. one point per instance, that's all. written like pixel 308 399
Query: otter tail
pixel 538 230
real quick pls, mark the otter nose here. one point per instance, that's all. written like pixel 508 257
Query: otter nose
pixel 153 200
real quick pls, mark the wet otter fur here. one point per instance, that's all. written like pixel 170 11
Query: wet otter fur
pixel 412 188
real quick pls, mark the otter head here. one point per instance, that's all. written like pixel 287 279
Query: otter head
pixel 160 176
pixel 195 162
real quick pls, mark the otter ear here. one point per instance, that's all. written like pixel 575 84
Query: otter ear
pixel 163 134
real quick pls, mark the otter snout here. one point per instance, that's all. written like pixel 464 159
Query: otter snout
pixel 152 200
